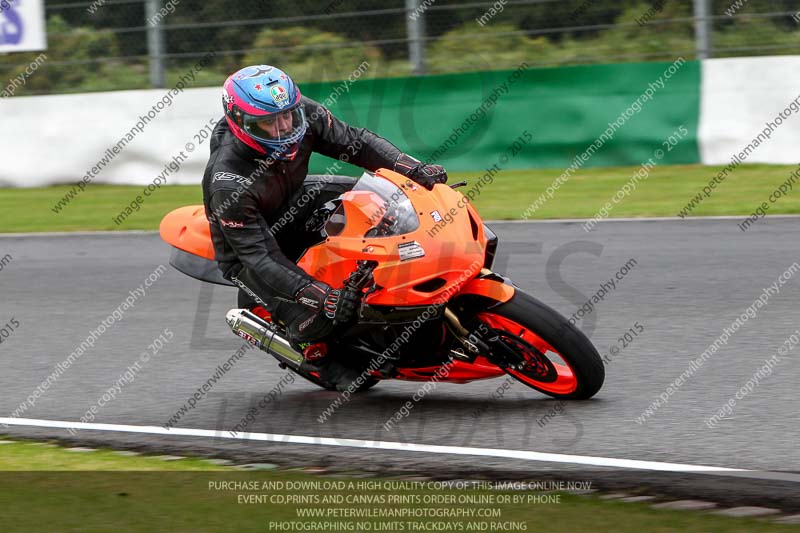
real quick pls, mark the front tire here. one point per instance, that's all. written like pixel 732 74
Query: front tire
pixel 560 360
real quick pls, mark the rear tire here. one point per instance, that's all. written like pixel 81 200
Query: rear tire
pixel 537 330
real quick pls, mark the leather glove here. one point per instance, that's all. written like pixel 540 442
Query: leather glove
pixel 425 175
pixel 338 305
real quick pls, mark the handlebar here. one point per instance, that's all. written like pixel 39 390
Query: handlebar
pixel 361 277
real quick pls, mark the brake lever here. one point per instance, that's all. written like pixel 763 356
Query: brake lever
pixel 459 184
pixel 361 277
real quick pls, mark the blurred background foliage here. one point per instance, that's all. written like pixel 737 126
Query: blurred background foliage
pixel 328 39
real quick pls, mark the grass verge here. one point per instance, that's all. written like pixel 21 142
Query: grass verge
pixel 663 193
pixel 49 488
pixel 45 457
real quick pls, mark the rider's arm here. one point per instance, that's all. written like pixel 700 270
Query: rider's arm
pixel 338 140
pixel 256 248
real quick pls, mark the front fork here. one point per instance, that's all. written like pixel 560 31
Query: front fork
pixel 470 341
pixel 480 339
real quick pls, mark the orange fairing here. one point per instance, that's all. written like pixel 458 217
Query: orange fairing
pixel 491 288
pixel 187 229
pixel 441 247
pixel 436 250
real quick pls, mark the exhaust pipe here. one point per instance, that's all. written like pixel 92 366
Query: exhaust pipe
pixel 263 335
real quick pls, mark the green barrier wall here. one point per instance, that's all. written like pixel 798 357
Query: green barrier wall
pixel 566 109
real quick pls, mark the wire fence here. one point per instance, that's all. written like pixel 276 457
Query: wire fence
pixel 133 44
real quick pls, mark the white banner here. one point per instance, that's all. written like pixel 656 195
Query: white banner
pixel 120 137
pixel 750 110
pixel 22 26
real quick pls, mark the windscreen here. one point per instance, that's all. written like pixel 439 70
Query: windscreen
pixel 396 215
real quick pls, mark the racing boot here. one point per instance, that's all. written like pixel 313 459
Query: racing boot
pixel 334 373
pixel 306 331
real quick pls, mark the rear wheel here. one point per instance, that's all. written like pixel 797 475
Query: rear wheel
pixel 551 355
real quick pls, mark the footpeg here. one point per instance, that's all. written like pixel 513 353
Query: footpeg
pixel 458 353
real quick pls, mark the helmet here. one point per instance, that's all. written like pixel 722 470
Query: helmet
pixel 262 106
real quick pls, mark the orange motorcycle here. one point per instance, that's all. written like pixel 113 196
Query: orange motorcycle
pixel 431 306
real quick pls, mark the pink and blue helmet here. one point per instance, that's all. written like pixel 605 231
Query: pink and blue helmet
pixel 262 105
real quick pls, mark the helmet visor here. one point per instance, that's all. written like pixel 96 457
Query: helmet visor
pixel 284 127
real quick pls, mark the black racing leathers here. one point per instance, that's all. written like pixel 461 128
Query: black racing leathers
pixel 249 198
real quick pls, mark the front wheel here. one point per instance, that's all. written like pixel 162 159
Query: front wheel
pixel 551 355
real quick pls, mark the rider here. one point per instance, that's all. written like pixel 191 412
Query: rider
pixel 258 200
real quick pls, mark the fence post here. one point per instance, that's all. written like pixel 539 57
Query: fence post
pixel 415 24
pixel 155 43
pixel 703 26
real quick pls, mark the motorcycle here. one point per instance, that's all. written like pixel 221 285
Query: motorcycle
pixel 431 305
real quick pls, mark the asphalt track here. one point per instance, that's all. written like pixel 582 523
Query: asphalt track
pixel 692 278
